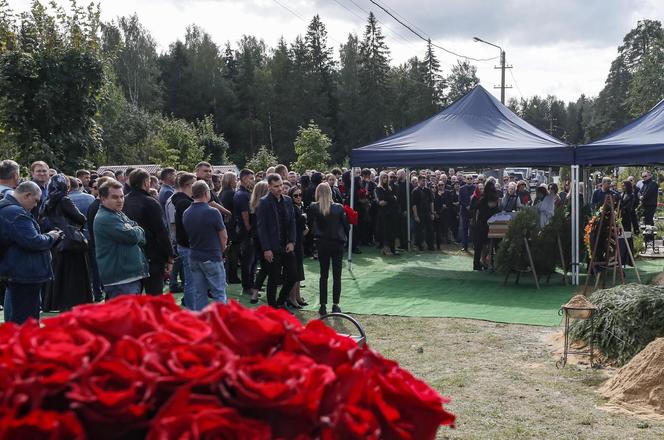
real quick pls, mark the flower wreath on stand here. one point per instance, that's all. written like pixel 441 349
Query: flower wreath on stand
pixel 141 367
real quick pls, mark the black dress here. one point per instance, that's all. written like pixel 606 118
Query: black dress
pixel 388 216
pixel 71 284
pixel 300 226
pixel 487 206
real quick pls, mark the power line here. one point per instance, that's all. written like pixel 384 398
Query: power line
pixel 428 40
pixel 515 84
pixel 387 27
pixel 301 18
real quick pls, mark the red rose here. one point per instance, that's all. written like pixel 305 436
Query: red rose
pixel 246 331
pixel 113 320
pixel 185 325
pixel 406 408
pixel 322 344
pixel 350 422
pixel 112 399
pixel 39 424
pixel 284 389
pixel 46 360
pixel 7 332
pixel 192 416
pixel 176 364
pixel 417 402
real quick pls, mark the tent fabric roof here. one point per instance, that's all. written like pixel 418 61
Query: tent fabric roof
pixel 476 130
pixel 638 143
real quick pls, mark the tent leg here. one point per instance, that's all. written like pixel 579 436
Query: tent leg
pixel 408 207
pixel 574 188
pixel 350 232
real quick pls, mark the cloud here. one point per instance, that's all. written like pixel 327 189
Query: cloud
pixel 535 22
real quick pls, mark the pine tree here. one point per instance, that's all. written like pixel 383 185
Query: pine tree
pixel 350 109
pixel 319 82
pixel 373 71
pixel 432 77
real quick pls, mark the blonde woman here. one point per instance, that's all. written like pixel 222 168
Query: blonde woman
pixel 260 190
pixel 330 229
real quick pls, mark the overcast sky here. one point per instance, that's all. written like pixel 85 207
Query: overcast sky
pixel 562 48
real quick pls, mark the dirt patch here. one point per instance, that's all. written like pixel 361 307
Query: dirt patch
pixel 638 387
pixel 555 343
pixel 658 280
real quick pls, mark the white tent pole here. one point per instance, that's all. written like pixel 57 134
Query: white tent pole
pixel 350 233
pixel 575 224
pixel 408 206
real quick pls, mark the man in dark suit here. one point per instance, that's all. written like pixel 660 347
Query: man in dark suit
pixel 648 197
pixel 422 206
pixel 466 189
pixel 275 225
pixel 145 210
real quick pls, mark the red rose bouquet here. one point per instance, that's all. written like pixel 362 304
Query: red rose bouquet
pixel 351 214
pixel 141 367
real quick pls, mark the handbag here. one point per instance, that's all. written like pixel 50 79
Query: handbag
pixel 74 241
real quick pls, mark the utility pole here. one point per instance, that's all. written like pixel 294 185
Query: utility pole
pixel 502 68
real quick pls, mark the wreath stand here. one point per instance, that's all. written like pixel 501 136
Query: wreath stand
pixel 561 254
pixel 532 266
pixel 615 235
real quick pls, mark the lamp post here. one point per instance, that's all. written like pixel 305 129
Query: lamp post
pixel 502 66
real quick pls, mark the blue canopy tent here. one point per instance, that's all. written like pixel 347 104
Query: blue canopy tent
pixel 476 130
pixel 640 142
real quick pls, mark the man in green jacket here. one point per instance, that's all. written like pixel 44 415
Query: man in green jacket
pixel 122 263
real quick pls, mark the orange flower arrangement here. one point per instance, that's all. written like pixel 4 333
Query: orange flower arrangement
pixel 586 236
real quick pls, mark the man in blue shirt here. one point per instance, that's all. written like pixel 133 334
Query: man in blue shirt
pixel 80 199
pixel 207 241
pixel 167 189
pixel 599 195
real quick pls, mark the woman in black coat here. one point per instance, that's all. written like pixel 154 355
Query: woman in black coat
pixel 308 196
pixel 487 206
pixel 330 228
pixel 71 284
pixel 388 214
pixel 295 193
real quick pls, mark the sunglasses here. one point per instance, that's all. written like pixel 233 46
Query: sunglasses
pixel 297 195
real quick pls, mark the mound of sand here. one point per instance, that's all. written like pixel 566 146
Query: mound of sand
pixel 638 387
pixel 579 302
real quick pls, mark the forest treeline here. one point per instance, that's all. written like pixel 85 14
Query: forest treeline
pixel 76 91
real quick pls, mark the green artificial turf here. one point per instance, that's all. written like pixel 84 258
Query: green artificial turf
pixel 442 284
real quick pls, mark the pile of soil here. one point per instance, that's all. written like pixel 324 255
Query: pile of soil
pixel 638 387
pixel 579 302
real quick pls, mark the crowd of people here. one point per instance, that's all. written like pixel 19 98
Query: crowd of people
pixel 69 240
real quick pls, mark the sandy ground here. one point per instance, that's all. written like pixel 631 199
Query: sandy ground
pixel 503 380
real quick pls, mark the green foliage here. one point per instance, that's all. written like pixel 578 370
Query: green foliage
pixel 311 147
pixel 50 74
pixel 461 80
pixel 511 255
pixel 261 160
pixel 629 318
pixel 214 145
pixel 546 252
pixel 178 145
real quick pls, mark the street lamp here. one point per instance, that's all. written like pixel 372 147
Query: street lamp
pixel 502 66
